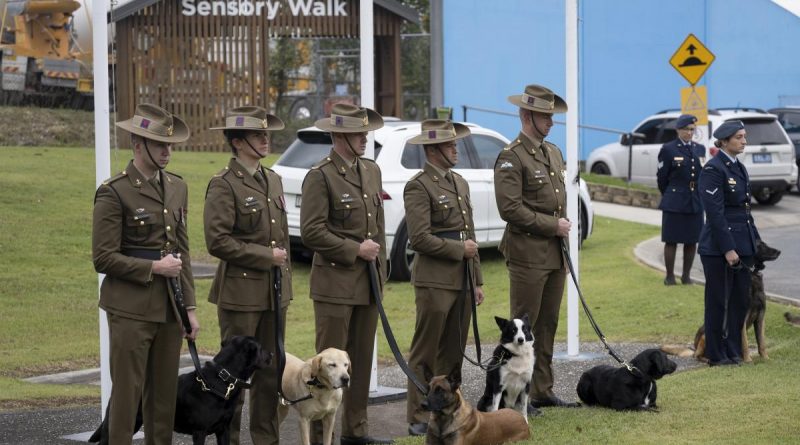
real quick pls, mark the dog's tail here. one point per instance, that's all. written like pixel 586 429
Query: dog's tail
pixel 678 350
pixel 793 319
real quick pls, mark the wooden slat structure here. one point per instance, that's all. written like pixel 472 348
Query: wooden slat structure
pixel 199 66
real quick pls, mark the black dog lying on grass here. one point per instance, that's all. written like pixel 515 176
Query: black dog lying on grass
pixel 202 413
pixel 623 389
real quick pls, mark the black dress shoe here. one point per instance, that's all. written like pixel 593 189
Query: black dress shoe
pixel 553 401
pixel 669 281
pixel 687 280
pixel 417 429
pixel 723 362
pixel 363 440
pixel 534 411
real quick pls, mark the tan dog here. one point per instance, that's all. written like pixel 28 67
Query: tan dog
pixel 323 376
pixel 454 422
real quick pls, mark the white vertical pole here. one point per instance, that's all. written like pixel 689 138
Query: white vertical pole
pixel 366 32
pixel 573 341
pixel 102 159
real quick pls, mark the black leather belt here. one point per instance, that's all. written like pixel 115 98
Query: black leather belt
pixel 144 254
pixel 457 235
pixel 691 185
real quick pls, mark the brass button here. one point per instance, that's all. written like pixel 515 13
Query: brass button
pixel 347 206
pixel 552 174
pixel 269 200
pixel 369 214
pixel 365 195
pixel 333 264
pixel 464 212
pixel 165 211
pixel 540 181
pixel 556 190
pixel 445 206
pixel 169 228
pixel 369 233
pixel 466 227
pixel 254 210
pixel 168 244
pixel 459 198
pixel 693 175
pixel 141 223
pixel 244 274
pixel 272 221
pixel 272 243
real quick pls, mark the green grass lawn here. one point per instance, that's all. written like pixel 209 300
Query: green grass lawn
pixel 48 308
pixel 593 178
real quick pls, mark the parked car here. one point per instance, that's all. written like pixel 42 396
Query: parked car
pixel 789 118
pixel 769 157
pixel 399 161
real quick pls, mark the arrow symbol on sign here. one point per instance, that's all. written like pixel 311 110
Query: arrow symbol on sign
pixel 691 49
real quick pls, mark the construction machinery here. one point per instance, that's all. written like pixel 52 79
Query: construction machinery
pixel 46 53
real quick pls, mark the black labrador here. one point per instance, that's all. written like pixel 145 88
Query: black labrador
pixel 202 412
pixel 623 389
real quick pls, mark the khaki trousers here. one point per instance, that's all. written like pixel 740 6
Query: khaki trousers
pixel 440 335
pixel 264 427
pixel 144 366
pixel 538 292
pixel 352 329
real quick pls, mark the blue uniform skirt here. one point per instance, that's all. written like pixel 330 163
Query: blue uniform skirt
pixel 681 228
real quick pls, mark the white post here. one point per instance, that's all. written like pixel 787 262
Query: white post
pixel 573 341
pixel 366 32
pixel 102 159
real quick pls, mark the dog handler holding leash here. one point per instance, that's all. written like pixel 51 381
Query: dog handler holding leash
pixel 531 198
pixel 246 228
pixel 341 220
pixel 727 245
pixel 441 231
pixel 139 221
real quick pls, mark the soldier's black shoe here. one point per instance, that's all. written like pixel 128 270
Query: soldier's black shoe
pixel 417 429
pixel 363 440
pixel 553 401
pixel 534 411
pixel 669 281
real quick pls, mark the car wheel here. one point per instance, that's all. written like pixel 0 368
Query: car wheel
pixel 583 225
pixel 600 168
pixel 402 256
pixel 768 197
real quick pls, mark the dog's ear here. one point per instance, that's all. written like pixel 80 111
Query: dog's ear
pixel 501 322
pixel 316 362
pixel 427 374
pixel 454 378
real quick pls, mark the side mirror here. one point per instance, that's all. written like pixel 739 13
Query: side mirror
pixel 625 139
pixel 632 139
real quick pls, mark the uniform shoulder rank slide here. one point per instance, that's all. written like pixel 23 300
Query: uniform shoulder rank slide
pixel 712 192
pixel 506 165
pixel 346 198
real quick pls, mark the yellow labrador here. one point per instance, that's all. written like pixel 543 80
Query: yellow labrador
pixel 323 376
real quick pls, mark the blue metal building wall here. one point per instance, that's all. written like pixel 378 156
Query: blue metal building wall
pixel 492 49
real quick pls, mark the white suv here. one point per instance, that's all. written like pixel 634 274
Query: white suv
pixel 769 155
pixel 399 161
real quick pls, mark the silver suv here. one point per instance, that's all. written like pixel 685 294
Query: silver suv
pixel 769 156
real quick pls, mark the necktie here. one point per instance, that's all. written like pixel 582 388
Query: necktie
pixel 157 185
pixel 259 175
pixel 449 178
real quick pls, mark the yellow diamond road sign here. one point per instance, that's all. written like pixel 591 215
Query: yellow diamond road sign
pixel 692 59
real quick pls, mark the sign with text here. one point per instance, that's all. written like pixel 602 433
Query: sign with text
pixel 692 59
pixel 694 101
pixel 264 8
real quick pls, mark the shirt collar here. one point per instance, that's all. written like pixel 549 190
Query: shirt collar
pixel 441 172
pixel 732 158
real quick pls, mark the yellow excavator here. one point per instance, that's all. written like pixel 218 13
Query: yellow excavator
pixel 42 61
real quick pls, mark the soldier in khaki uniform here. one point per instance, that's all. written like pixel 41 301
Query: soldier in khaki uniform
pixel 529 187
pixel 441 231
pixel 341 220
pixel 246 228
pixel 139 220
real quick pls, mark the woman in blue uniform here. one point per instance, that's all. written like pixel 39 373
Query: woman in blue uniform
pixel 727 245
pixel 679 164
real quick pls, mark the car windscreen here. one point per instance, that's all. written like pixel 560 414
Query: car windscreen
pixel 309 148
pixel 764 132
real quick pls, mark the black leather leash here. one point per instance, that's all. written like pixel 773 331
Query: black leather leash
pixel 279 346
pixel 374 283
pixel 230 382
pixel 600 335
pixel 470 295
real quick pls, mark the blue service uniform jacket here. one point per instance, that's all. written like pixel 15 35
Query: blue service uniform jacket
pixel 725 191
pixel 678 172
